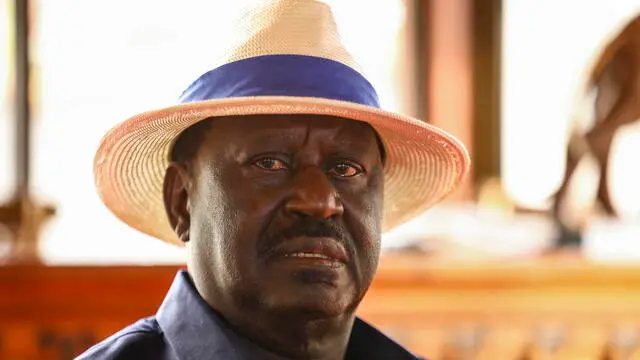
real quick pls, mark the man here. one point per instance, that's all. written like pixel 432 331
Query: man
pixel 278 172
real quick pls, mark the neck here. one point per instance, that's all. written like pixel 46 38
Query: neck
pixel 296 335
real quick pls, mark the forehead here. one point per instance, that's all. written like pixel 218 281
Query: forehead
pixel 259 128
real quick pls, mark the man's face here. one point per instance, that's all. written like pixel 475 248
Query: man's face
pixel 284 214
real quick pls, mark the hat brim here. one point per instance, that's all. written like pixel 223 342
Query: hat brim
pixel 424 163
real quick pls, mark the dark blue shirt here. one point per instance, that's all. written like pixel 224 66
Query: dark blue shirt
pixel 186 328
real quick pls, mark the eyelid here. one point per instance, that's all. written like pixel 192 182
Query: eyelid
pixel 351 162
pixel 272 155
pixel 348 161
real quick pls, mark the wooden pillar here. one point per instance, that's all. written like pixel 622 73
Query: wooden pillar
pixel 450 87
pixel 459 53
pixel 487 55
pixel 22 215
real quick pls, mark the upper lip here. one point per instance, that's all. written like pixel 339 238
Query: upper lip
pixel 326 246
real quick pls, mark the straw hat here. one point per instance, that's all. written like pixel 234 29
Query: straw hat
pixel 288 60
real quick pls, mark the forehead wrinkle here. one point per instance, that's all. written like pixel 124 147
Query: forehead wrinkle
pixel 248 133
pixel 345 132
pixel 287 137
pixel 307 135
pixel 336 131
pixel 292 132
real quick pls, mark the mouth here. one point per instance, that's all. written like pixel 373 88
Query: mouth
pixel 301 255
pixel 312 250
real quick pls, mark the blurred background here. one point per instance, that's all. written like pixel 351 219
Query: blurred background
pixel 537 256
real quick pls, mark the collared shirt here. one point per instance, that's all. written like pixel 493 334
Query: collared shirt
pixel 187 328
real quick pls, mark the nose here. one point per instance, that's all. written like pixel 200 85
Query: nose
pixel 314 196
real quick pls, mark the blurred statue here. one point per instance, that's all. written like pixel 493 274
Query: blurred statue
pixel 614 81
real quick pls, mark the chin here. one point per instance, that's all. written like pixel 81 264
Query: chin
pixel 318 301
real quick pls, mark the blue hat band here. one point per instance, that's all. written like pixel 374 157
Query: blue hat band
pixel 283 75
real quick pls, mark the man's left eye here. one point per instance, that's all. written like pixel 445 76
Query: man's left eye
pixel 345 170
pixel 271 164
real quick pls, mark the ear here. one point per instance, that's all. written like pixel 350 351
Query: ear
pixel 176 187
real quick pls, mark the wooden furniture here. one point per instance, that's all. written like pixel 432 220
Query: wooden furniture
pixel 437 308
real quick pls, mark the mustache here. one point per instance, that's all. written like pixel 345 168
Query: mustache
pixel 307 227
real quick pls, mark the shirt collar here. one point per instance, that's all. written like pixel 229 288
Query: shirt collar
pixel 185 317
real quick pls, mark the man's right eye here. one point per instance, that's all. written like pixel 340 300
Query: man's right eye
pixel 271 164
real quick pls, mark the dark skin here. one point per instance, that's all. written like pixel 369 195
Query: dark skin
pixel 281 216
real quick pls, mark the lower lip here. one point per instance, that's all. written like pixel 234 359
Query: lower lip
pixel 309 261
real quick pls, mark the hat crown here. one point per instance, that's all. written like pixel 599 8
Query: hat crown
pixel 285 48
pixel 294 27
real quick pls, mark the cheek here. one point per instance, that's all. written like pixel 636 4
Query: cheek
pixel 367 225
pixel 368 208
pixel 230 213
pixel 214 224
pixel 363 217
pixel 256 200
pixel 214 210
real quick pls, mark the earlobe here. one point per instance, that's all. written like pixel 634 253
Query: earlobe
pixel 184 224
pixel 176 200
pixel 182 230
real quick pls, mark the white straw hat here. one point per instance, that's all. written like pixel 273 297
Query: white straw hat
pixel 288 60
